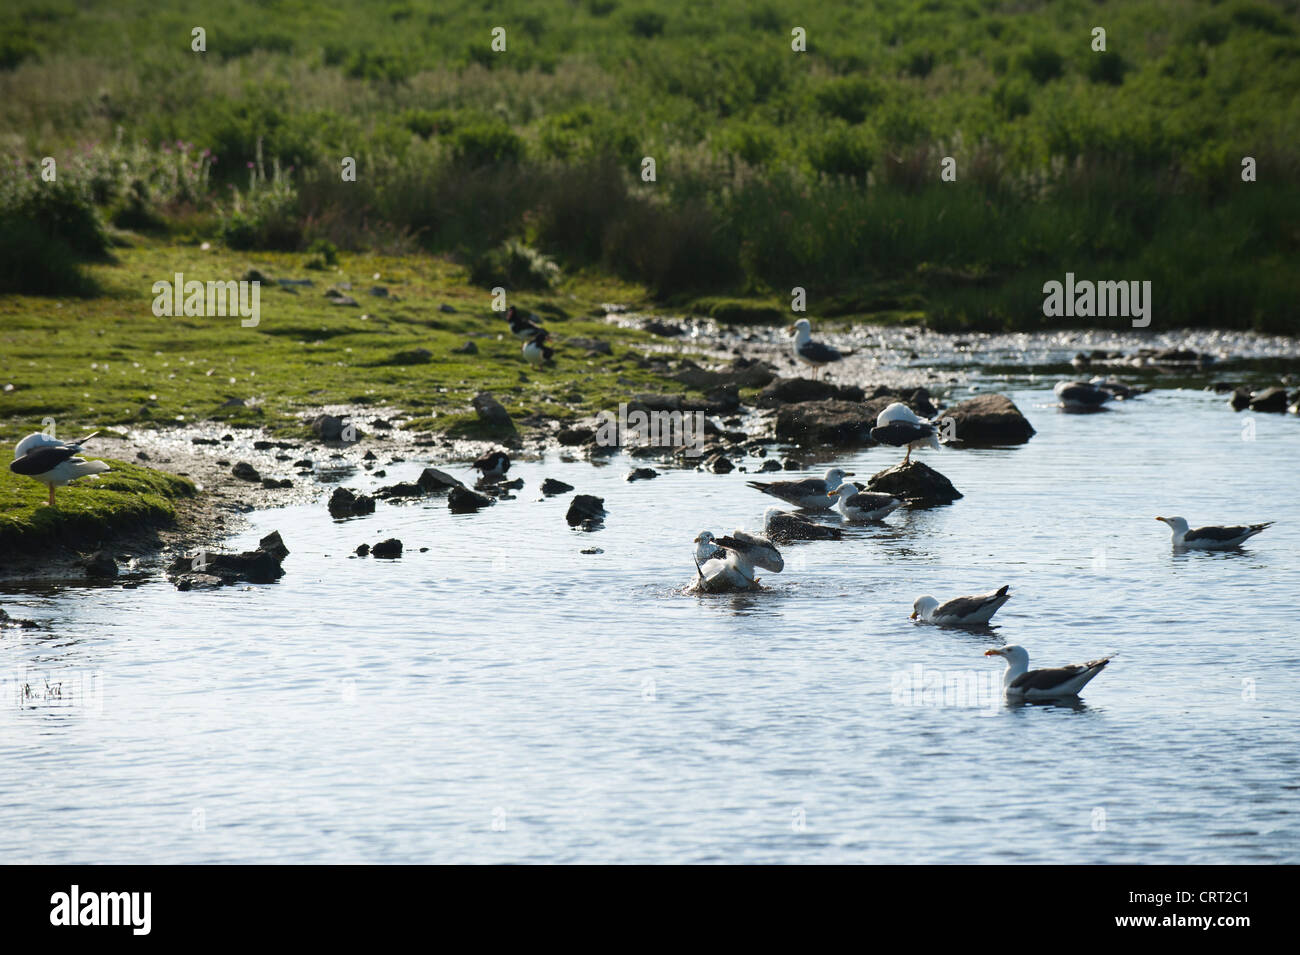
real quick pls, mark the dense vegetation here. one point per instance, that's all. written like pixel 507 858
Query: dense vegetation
pixel 774 168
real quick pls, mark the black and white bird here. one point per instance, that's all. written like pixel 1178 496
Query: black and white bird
pixel 858 505
pixel 1212 537
pixel 720 568
pixel 960 611
pixel 1021 683
pixel 1081 396
pixel 781 525
pixel 809 352
pixel 536 351
pixel 521 327
pixel 899 426
pixel 492 465
pixel 52 462
pixel 809 493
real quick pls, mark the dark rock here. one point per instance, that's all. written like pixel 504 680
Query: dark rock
pixel 199 582
pixel 256 275
pixel 245 472
pixel 664 329
pixel 462 500
pixel 362 550
pixel 570 437
pixel 330 428
pixel 400 489
pixel 641 474
pixel 551 486
pixel 411 356
pixel 8 621
pixel 345 502
pixel 841 423
pixel 916 484
pixel 389 549
pixel 741 373
pixel 592 550
pixel 369 456
pixel 272 484
pixel 785 391
pixel 492 413
pixel 986 421
pixel 1269 400
pixel 100 564
pixel 273 544
pixel 792 464
pixel 469 348
pixel 590 344
pixel 585 509
pixel 204 441
pixel 1240 399
pixel 305 463
pixel 379 291
pixel 771 464
pixel 719 464
pixel 433 479
pixel 447 309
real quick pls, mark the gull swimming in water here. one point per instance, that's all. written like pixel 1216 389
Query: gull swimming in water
pixel 1021 683
pixel 1212 537
pixel 858 505
pixel 783 526
pixel 808 351
pixel 52 462
pixel 899 426
pixel 960 611
pixel 810 493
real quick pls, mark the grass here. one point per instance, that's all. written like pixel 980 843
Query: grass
pixel 108 361
pixel 775 169
pixel 125 499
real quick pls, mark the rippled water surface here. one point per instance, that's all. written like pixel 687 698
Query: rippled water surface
pixel 503 697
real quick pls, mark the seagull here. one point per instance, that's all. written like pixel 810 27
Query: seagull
pixel 521 327
pixel 858 505
pixel 536 350
pixel 52 462
pixel 1021 683
pixel 810 493
pixel 900 427
pixel 721 568
pixel 1081 395
pixel 783 526
pixel 1212 537
pixel 494 465
pixel 808 351
pixel 960 611
pixel 756 550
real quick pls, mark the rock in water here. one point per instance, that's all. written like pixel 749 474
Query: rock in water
pixel 100 564
pixel 492 413
pixel 433 479
pixel 987 421
pixel 261 566
pixel 462 500
pixel 245 472
pixel 842 423
pixel 551 486
pixel 1240 399
pixel 273 544
pixel 587 510
pixel 788 391
pixel 387 549
pixel 330 428
pixel 1269 400
pixel 916 484
pixel 641 474
pixel 347 503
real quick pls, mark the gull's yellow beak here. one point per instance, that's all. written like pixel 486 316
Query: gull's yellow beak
pixel 994 652
pixel 697 540
pixel 848 474
pixel 914 615
pixel 789 329
pixel 832 493
pixel 1161 519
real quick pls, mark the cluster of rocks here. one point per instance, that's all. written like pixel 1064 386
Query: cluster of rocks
pixel 1143 357
pixel 207 570
pixel 1265 400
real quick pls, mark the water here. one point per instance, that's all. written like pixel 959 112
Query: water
pixel 504 698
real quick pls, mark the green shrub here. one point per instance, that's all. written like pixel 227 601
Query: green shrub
pixel 850 98
pixel 35 262
pixel 1042 62
pixel 646 23
pixel 485 143
pixel 515 266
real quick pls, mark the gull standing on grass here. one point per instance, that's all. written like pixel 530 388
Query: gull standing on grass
pixel 52 462
pixel 810 493
pixel 960 611
pixel 858 505
pixel 1021 683
pixel 899 426
pixel 809 352
pixel 1212 537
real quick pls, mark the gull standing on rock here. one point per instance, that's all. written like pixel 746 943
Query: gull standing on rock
pixel 810 493
pixel 1212 537
pixel 960 611
pixel 808 351
pixel 899 426
pixel 52 462
pixel 1021 683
